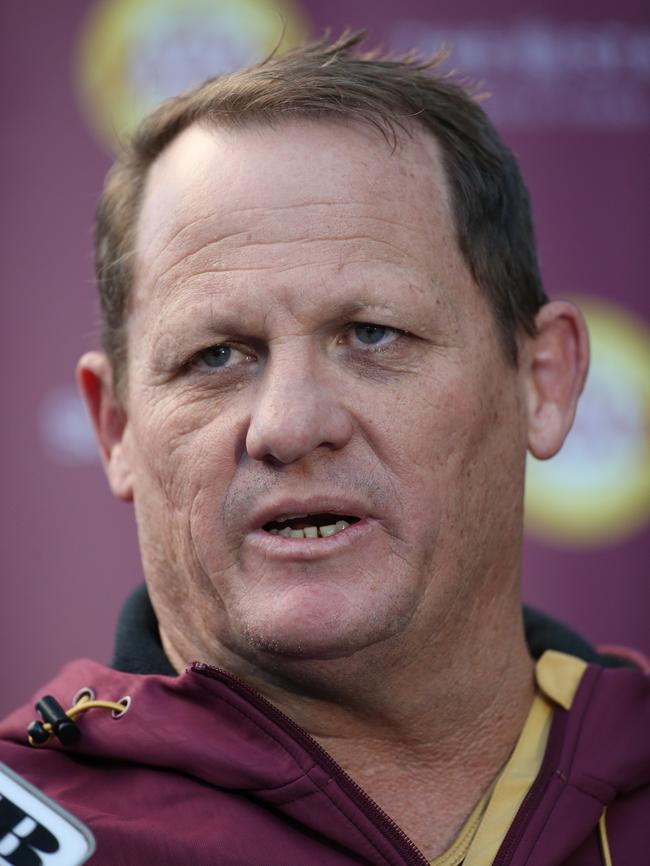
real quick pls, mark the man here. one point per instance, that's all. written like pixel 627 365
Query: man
pixel 326 352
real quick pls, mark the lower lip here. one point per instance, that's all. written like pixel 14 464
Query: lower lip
pixel 279 547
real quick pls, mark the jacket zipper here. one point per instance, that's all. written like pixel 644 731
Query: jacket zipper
pixel 407 849
pixel 536 792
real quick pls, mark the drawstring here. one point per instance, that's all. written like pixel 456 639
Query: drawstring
pixel 55 721
pixel 604 844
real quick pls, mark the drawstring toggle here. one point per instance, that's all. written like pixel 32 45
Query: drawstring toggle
pixel 55 721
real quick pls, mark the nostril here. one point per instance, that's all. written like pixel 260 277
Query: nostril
pixel 273 461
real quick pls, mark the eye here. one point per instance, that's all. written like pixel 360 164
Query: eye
pixel 374 335
pixel 222 355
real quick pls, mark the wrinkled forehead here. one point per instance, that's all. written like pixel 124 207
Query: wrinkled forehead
pixel 235 174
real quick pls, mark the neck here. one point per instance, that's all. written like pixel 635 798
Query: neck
pixel 426 737
pixel 442 706
pixel 436 748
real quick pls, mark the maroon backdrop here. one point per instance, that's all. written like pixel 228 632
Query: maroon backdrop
pixel 69 552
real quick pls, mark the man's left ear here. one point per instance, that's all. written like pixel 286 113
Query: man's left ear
pixel 555 365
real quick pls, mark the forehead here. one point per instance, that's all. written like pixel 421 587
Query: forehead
pixel 298 204
pixel 273 163
pixel 210 171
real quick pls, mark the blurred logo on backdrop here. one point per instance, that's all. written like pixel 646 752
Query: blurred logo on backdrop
pixel 597 489
pixel 65 428
pixel 134 53
pixel 543 73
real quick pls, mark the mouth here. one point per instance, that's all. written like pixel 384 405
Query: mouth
pixel 321 525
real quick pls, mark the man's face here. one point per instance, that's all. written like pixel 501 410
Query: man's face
pixel 306 346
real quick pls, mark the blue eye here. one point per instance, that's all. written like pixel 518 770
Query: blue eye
pixel 371 334
pixel 221 356
pixel 215 356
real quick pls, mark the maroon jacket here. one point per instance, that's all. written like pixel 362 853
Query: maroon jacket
pixel 201 770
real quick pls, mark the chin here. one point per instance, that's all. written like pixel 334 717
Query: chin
pixel 282 646
pixel 301 639
pixel 318 631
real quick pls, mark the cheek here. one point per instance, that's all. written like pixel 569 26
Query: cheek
pixel 454 444
pixel 179 488
pixel 489 471
pixel 178 456
pixel 429 426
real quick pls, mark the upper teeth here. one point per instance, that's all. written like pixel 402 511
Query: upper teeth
pixel 312 531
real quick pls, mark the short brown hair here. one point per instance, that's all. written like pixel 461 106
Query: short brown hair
pixel 326 79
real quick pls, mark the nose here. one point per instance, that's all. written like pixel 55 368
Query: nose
pixel 296 411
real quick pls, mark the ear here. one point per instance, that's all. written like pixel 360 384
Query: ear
pixel 110 420
pixel 556 360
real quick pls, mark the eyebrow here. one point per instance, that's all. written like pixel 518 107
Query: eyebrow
pixel 213 321
pixel 353 308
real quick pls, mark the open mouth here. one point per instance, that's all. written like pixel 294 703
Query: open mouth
pixel 310 525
